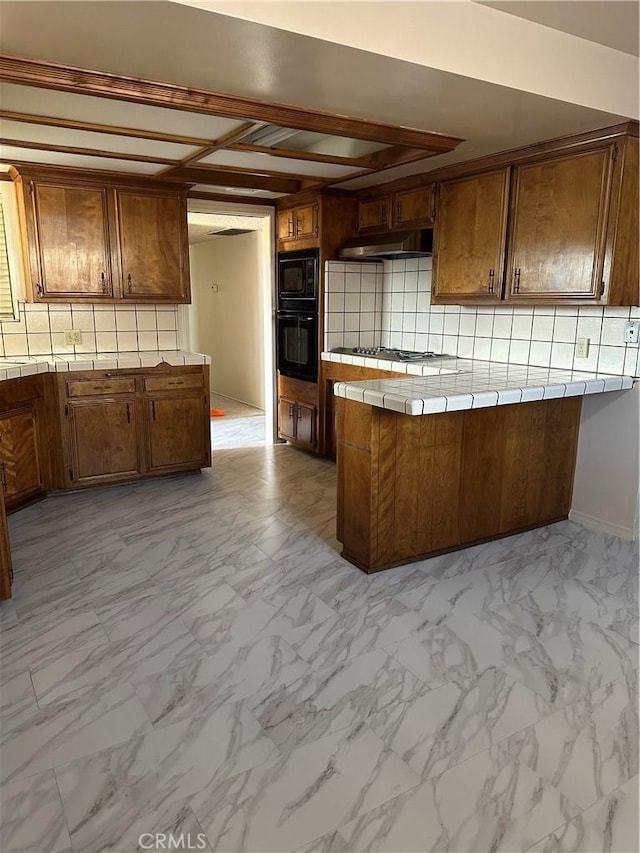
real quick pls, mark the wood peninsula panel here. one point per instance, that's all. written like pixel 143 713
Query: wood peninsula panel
pixel 411 487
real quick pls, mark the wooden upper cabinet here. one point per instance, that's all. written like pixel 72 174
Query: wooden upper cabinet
pixel 374 214
pixel 93 242
pixel 152 246
pixel 559 213
pixel 70 252
pixel 413 208
pixel 299 223
pixel 470 234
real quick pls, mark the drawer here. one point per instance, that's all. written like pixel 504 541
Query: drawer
pixel 97 387
pixel 173 383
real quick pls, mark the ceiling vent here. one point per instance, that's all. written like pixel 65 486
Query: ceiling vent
pixel 229 232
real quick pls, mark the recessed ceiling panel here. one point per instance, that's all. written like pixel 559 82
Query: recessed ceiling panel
pixel 287 138
pixel 231 191
pixel 47 102
pixel 25 132
pixel 253 160
pixel 13 154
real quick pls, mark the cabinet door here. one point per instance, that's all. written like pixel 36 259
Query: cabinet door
pixel 558 223
pixel 177 431
pixel 104 440
pixel 287 419
pixel 285 225
pixel 373 214
pixel 152 246
pixel 19 458
pixel 305 221
pixel 305 424
pixel 470 233
pixel 71 253
pixel 413 208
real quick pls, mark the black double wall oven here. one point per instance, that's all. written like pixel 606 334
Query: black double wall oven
pixel 298 282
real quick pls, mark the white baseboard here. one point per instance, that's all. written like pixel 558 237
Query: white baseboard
pixel 593 523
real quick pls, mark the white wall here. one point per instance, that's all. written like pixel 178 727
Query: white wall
pixel 228 324
pixel 605 494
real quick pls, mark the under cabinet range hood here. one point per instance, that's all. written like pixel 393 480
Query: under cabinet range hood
pixel 391 245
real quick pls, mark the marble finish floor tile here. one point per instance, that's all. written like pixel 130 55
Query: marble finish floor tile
pixel 107 792
pixel 285 804
pixel 210 681
pixel 150 651
pixel 608 826
pixel 31 816
pixel 191 655
pixel 439 728
pixel 41 739
pixel 587 749
pixel 480 805
pixel 331 699
pixel 16 694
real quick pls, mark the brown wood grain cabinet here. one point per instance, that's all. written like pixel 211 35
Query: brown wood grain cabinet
pixel 104 440
pixel 413 208
pixel 556 227
pixel 122 425
pixel 410 487
pixel 298 412
pixel 470 238
pixel 97 243
pixel 298 224
pixel 152 246
pixel 558 217
pixel 374 214
pixel 20 468
pixel 70 242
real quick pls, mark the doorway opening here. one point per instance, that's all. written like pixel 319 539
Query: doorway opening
pixel 230 317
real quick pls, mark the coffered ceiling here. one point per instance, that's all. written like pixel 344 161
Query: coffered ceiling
pixel 240 110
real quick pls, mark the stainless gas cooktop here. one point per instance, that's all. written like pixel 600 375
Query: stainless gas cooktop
pixel 390 354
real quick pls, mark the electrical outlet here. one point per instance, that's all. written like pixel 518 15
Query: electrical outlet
pixel 632 332
pixel 582 347
pixel 73 336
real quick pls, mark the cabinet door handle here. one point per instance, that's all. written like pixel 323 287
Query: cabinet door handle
pixel 128 413
pixel 129 284
pixel 384 214
pixel 492 274
pixel 399 210
pixel 516 280
pixel 153 409
pixel 39 289
pixel 315 214
pixel 103 279
pixel 290 229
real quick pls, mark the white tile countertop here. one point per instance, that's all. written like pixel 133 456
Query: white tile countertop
pixel 450 364
pixel 474 385
pixel 18 366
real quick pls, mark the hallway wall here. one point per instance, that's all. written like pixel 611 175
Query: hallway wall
pixel 228 324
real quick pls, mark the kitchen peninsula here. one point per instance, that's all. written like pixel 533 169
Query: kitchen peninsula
pixel 472 452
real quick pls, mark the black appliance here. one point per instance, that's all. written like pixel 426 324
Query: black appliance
pixel 298 280
pixel 297 344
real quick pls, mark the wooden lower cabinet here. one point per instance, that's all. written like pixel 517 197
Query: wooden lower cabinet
pixel 177 433
pixel 20 456
pixel 124 425
pixel 411 487
pixel 104 440
pixel 298 412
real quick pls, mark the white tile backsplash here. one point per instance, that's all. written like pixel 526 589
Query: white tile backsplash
pixel 403 317
pixel 105 328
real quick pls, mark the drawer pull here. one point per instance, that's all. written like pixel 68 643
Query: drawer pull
pixel 128 413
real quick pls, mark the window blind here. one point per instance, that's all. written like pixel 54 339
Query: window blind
pixel 6 298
